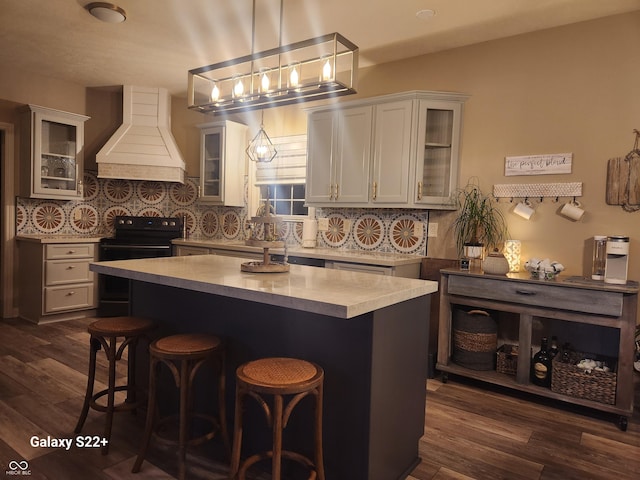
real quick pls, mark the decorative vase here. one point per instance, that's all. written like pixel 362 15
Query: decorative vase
pixel 495 264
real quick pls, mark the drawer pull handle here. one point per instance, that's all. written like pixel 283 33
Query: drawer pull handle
pixel 525 292
pixel 478 312
pixel 71 293
pixel 71 252
pixel 71 267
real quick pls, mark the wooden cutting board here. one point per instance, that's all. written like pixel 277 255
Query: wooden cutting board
pixel 623 181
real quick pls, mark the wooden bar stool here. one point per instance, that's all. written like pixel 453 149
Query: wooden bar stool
pixel 184 354
pixel 278 377
pixel 106 333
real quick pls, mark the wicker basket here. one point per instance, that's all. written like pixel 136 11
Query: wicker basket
pixel 568 379
pixel 475 339
pixel 507 359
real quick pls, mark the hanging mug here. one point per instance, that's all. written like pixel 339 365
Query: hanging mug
pixel 524 209
pixel 572 210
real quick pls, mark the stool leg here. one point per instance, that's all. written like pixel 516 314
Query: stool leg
pixel 131 372
pixel 151 410
pixel 222 408
pixel 237 435
pixel 318 434
pixel 277 438
pixel 184 419
pixel 94 346
pixel 111 355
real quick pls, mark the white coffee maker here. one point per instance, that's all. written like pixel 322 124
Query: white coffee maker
pixel 617 260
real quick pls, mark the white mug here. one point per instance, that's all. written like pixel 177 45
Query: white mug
pixel 572 210
pixel 524 209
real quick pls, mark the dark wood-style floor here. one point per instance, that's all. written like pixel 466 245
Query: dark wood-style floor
pixel 471 432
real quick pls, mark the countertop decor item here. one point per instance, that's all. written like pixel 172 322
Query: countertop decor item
pixel 479 222
pixel 495 264
pixel 270 239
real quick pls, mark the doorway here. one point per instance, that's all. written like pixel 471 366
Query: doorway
pixel 7 222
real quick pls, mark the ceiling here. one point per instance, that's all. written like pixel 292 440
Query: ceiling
pixel 162 39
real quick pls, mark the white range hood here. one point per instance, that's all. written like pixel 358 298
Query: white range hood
pixel 143 147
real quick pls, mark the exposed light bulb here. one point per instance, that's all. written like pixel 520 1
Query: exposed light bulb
pixel 238 87
pixel 215 93
pixel 264 82
pixel 294 75
pixel 326 70
pixel 262 151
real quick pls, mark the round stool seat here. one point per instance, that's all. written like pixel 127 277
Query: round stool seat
pixel 120 326
pixel 185 344
pixel 274 374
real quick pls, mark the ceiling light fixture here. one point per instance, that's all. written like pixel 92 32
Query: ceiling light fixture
pixel 312 69
pixel 260 149
pixel 106 12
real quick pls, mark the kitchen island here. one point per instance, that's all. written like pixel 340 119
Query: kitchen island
pixel 368 332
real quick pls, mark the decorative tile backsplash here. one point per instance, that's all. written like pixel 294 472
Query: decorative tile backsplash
pixel 384 230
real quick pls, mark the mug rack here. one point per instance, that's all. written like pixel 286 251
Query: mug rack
pixel 532 190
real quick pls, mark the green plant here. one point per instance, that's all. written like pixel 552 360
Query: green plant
pixel 479 221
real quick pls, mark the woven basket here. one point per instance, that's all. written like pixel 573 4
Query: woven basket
pixel 507 359
pixel 475 339
pixel 568 379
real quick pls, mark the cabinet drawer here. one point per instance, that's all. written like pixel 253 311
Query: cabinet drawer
pixel 70 250
pixel 58 272
pixel 74 297
pixel 538 294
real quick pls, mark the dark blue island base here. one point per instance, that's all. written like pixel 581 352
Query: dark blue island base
pixel 375 373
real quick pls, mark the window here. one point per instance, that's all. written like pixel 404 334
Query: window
pixel 286 198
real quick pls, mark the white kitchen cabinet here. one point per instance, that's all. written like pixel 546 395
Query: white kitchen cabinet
pixel 223 163
pixel 339 153
pixel 52 148
pixel 438 150
pixel 393 151
pixel 55 281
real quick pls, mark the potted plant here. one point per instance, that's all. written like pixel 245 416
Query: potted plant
pixel 479 224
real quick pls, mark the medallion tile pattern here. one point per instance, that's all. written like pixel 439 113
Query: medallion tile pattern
pixel 118 191
pixel 369 232
pixel 48 217
pixel 383 230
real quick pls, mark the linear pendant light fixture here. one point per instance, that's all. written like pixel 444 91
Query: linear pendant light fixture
pixel 312 69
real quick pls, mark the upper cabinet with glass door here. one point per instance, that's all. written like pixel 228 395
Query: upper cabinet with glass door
pixel 52 148
pixel 223 163
pixel 438 150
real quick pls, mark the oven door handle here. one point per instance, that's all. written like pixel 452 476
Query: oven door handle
pixel 135 247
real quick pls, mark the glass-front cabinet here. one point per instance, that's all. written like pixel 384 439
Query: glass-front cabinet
pixel 223 163
pixel 439 124
pixel 52 147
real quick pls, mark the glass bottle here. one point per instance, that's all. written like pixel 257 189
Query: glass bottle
pixel 541 365
pixel 599 257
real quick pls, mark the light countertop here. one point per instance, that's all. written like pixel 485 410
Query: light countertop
pixel 336 293
pixel 335 254
pixel 44 238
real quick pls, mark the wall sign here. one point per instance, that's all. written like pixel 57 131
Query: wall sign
pixel 538 164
